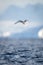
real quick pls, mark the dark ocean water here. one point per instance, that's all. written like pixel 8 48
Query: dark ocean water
pixel 21 52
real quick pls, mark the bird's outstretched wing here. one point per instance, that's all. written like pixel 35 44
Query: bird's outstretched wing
pixel 20 21
pixel 25 20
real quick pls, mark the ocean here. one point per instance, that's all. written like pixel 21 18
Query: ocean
pixel 21 51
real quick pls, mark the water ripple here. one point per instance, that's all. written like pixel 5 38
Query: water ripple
pixel 30 54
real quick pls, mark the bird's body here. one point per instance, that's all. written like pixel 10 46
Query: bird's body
pixel 20 21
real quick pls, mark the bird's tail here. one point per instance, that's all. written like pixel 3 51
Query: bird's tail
pixel 15 22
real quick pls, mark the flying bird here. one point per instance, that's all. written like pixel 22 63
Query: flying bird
pixel 20 21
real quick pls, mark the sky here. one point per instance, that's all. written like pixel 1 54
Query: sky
pixel 13 10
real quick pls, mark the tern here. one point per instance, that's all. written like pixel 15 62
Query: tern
pixel 20 21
